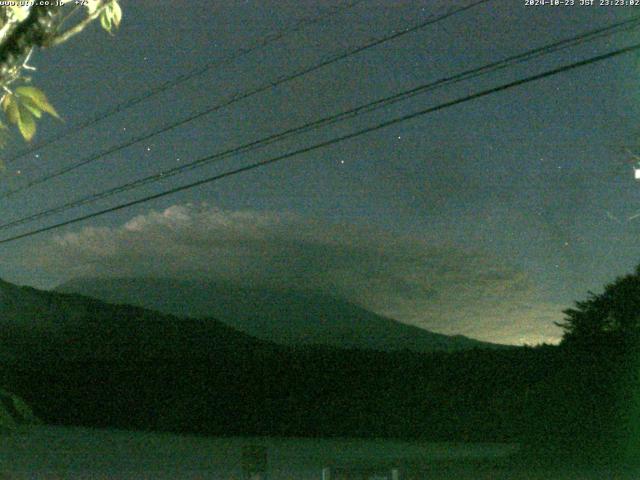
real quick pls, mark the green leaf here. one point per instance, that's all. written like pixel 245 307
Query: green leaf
pixel 111 16
pixel 24 106
pixel 116 13
pixel 35 111
pixel 33 97
pixel 105 20
pixel 10 107
pixel 32 107
pixel 27 123
pixel 20 115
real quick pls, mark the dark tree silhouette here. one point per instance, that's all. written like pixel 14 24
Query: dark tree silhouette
pixel 611 318
pixel 602 343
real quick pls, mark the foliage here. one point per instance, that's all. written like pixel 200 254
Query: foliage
pixel 602 340
pixel 201 376
pixel 611 318
pixel 111 16
pixel 22 29
pixel 23 108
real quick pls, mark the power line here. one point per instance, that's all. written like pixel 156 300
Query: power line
pixel 345 115
pixel 131 102
pixel 233 99
pixel 330 142
pixel 226 60
pixel 589 36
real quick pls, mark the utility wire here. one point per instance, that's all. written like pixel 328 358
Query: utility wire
pixel 229 101
pixel 345 115
pixel 229 59
pixel 333 141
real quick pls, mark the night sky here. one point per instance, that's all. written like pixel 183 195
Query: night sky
pixel 485 219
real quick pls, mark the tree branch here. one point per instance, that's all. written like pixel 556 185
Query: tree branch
pixel 9 25
pixel 32 32
pixel 77 28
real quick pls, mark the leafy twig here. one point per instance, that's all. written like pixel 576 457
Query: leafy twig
pixel 78 27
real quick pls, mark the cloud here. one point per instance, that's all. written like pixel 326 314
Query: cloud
pixel 414 280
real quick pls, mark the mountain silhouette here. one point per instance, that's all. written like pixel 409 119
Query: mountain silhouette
pixel 293 318
pixel 39 325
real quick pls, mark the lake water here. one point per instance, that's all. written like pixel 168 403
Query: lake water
pixel 59 452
